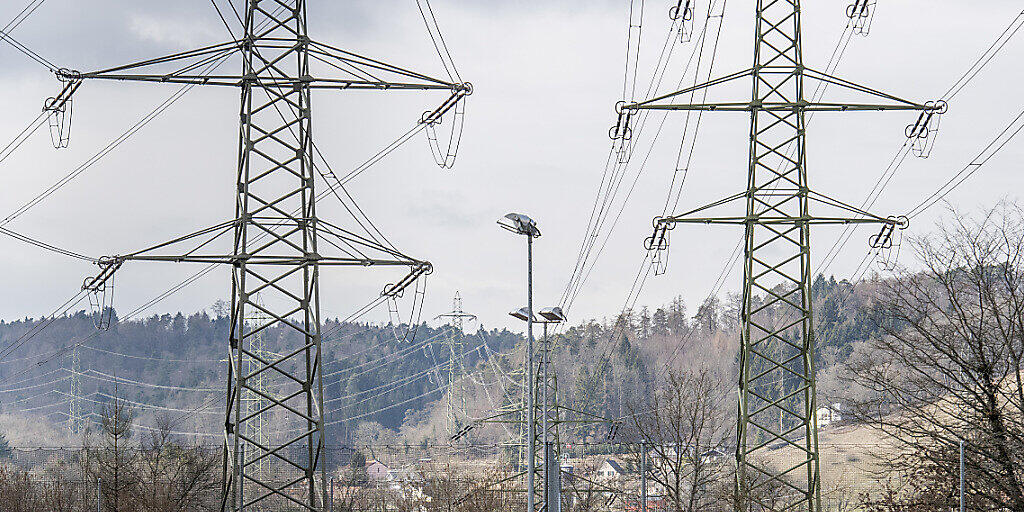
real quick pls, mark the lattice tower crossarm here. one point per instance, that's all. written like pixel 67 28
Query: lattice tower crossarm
pixel 777 256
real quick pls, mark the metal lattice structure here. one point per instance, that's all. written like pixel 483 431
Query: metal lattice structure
pixel 456 396
pixel 548 418
pixel 777 382
pixel 76 420
pixel 278 242
pixel 253 401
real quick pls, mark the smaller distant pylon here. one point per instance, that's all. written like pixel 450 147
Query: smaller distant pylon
pixel 456 319
pixel 76 422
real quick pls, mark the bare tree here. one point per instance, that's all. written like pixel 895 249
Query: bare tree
pixel 947 369
pixel 580 493
pixel 113 459
pixel 682 425
pixel 762 492
pixel 175 476
pixel 370 435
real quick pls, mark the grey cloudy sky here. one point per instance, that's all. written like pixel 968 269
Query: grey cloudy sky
pixel 546 76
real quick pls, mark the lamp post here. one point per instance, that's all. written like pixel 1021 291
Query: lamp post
pixel 523 225
pixel 552 481
pixel 552 488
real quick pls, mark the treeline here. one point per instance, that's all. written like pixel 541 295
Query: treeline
pixel 607 364
pixel 179 361
pixel 166 363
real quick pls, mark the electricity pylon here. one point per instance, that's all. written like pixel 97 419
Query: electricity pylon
pixel 777 258
pixel 253 401
pixel 549 415
pixel 76 422
pixel 276 234
pixel 456 362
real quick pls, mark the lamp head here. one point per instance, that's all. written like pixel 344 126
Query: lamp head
pixel 519 224
pixel 522 314
pixel 553 315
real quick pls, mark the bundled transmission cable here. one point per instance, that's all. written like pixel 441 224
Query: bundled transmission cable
pixel 98 375
pixel 998 143
pixel 969 75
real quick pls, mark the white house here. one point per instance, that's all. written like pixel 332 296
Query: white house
pixel 377 471
pixel 829 415
pixel 610 469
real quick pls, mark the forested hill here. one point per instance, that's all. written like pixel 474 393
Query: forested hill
pixel 172 364
pixel 385 375
pixel 608 365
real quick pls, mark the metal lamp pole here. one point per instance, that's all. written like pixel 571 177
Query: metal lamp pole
pixel 523 225
pixel 545 410
pixel 531 417
pixel 552 485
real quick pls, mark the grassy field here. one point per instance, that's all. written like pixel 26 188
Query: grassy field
pixel 848 462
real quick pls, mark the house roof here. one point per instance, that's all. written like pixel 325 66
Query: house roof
pixel 614 464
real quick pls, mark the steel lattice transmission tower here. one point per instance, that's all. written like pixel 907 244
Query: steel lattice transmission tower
pixel 777 252
pixel 548 417
pixel 76 421
pixel 253 401
pixel 456 362
pixel 278 243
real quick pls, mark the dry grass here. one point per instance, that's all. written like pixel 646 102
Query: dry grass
pixel 848 458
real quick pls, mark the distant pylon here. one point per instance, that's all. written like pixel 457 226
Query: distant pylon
pixel 254 403
pixel 549 416
pixel 456 359
pixel 76 422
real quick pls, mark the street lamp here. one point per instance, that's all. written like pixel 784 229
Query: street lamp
pixel 552 487
pixel 553 315
pixel 552 482
pixel 522 314
pixel 522 225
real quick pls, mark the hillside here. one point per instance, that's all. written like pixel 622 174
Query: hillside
pixel 172 364
pixel 392 381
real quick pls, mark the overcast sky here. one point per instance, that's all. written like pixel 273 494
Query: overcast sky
pixel 546 76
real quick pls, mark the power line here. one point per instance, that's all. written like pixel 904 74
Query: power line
pixel 223 19
pixel 887 175
pixel 34 377
pixel 142 405
pixel 6 36
pixel 998 143
pixel 392 385
pixel 98 375
pixel 985 57
pixel 144 358
pixel 35 386
pixel 120 139
pixel 46 246
pixel 43 324
pixel 23 15
pixel 616 166
pixel 438 40
pixel 386 358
